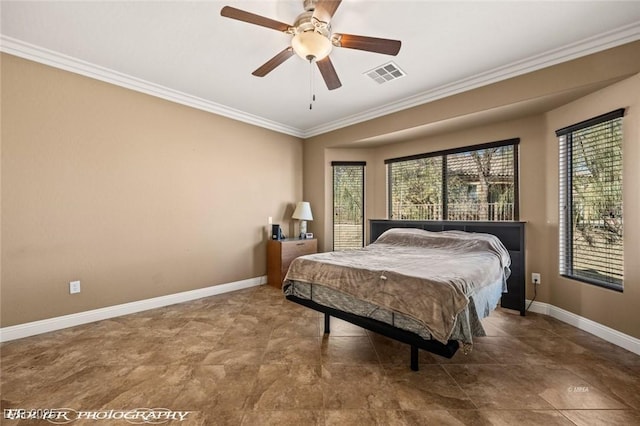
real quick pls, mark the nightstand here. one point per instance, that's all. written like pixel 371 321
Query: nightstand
pixel 280 254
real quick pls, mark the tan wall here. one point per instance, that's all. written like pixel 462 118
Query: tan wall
pixel 135 196
pixel 533 160
pixel 530 130
pixel 138 197
pixel 558 85
pixel 562 81
pixel 371 193
pixel 611 308
pixel 601 67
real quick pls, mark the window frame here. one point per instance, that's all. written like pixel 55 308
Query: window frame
pixel 335 164
pixel 566 244
pixel 515 142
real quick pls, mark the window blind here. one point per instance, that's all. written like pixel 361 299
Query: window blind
pixel 348 205
pixel 416 189
pixel 591 204
pixel 471 183
pixel 481 184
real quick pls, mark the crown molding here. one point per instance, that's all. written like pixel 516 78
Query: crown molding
pixel 57 60
pixel 607 40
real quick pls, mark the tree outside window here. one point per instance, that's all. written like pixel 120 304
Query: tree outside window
pixel 479 183
pixel 591 204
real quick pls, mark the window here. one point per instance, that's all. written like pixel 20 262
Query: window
pixel 591 225
pixel 348 205
pixel 471 183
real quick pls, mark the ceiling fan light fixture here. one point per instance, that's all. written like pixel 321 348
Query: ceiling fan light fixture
pixel 311 45
pixel 312 39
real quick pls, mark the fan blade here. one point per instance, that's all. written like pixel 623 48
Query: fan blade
pixel 325 9
pixel 272 63
pixel 252 18
pixel 370 44
pixel 329 73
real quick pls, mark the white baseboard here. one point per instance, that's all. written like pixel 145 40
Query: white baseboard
pixel 609 334
pixel 58 323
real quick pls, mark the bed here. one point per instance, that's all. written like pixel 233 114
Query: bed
pixel 461 270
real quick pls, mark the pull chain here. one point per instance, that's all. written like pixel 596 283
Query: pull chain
pixel 312 95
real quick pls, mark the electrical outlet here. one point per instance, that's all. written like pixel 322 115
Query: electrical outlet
pixel 535 277
pixel 74 287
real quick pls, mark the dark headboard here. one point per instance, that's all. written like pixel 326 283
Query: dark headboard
pixel 510 233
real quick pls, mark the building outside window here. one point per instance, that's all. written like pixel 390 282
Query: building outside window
pixel 471 183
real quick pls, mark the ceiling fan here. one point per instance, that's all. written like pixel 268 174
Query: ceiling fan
pixel 312 38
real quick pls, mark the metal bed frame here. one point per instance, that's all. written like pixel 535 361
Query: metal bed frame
pixel 511 234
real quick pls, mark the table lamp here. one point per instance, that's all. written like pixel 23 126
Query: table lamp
pixel 303 213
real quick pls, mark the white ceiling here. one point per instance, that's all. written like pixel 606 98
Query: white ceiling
pixel 186 52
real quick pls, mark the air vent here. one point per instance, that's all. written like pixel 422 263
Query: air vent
pixel 386 72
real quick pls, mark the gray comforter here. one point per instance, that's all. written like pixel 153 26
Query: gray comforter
pixel 427 276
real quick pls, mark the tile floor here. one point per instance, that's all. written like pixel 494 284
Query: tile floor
pixel 253 358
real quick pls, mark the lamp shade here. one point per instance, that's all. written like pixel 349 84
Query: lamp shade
pixel 311 45
pixel 303 211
